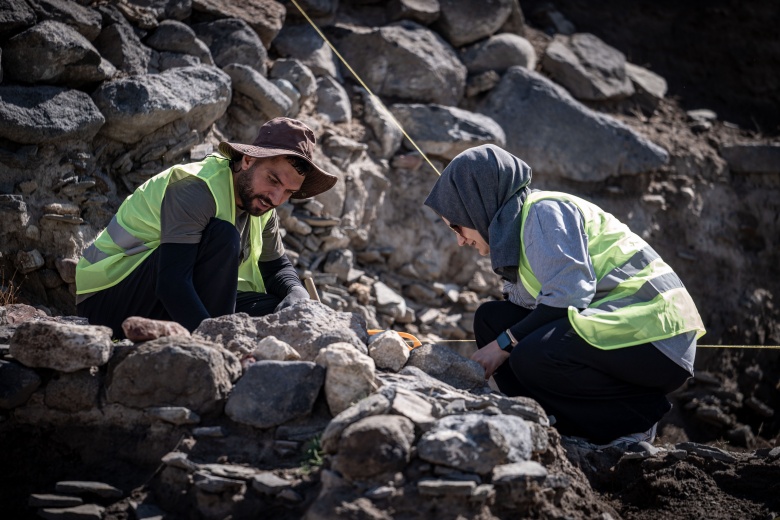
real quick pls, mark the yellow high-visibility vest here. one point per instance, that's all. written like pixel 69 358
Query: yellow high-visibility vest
pixel 639 299
pixel 134 232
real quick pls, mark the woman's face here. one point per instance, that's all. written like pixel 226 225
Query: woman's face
pixel 469 237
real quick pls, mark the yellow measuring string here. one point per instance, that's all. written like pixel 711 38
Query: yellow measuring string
pixel 375 98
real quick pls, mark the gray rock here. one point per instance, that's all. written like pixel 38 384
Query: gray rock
pixel 707 452
pixel 309 326
pixel 232 40
pixel 446 365
pixel 340 263
pixel 271 349
pixel 291 92
pixel 441 487
pixel 177 415
pixel 349 377
pixel 271 393
pixel 269 484
pixel 388 350
pixel 17 384
pixel 15 16
pixel 61 346
pixel 52 52
pixel 296 73
pixel 82 512
pixel 302 43
pixel 385 56
pixel 74 392
pixel 174 36
pixel 447 131
pixel 498 53
pixel 86 487
pixel 420 11
pixel 589 68
pixel 175 9
pixel 558 136
pixel 28 261
pixel 374 447
pixel 752 158
pixel 236 332
pixel 189 372
pixel 137 106
pixel 50 500
pixel 466 21
pixel 266 96
pixel 333 101
pixel 218 485
pixel 86 21
pixel 414 407
pixel 119 44
pixel 476 443
pixel 265 17
pixel 388 301
pixel 375 404
pixel 649 87
pixel 380 121
pixel 519 471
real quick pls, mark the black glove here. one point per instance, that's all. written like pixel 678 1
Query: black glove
pixel 296 294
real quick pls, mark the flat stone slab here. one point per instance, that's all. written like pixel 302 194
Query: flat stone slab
pixel 81 487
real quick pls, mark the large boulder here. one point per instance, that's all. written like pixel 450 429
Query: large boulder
pixel 302 43
pixel 407 61
pixel 86 21
pixel 232 40
pixel 589 68
pixel 187 372
pixel 61 346
pixel 137 106
pixel 52 52
pixel 446 131
pixel 557 135
pixel 119 44
pixel 265 17
pixel 15 16
pixel 35 115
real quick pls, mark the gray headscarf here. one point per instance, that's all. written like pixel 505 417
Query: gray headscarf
pixel 484 188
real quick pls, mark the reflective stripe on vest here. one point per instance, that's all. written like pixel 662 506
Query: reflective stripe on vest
pixel 134 232
pixel 638 299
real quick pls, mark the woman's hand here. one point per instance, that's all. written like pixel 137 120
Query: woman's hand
pixel 490 357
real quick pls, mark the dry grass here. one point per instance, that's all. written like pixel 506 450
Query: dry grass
pixel 9 289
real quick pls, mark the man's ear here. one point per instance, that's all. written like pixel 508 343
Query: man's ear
pixel 247 161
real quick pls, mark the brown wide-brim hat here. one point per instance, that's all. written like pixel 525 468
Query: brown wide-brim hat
pixel 285 136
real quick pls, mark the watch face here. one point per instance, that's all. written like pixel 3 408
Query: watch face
pixel 503 340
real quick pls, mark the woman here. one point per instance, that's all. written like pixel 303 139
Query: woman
pixel 597 328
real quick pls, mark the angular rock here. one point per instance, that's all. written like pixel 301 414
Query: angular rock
pixel 119 44
pixel 265 17
pixel 188 372
pixel 137 106
pixel 340 263
pixel 476 443
pixel 236 332
pixel 649 87
pixel 447 131
pixel 441 487
pixel 177 415
pixel 498 53
pixel 175 36
pixel 271 349
pixel 302 43
pixel 291 92
pixel 309 326
pixel 388 350
pixel 86 21
pixel 374 447
pixel 414 407
pixel 388 301
pixel 269 484
pixel 558 136
pixel 74 392
pixel 36 115
pixel 17 384
pixel 444 364
pixel 466 21
pixel 420 11
pixel 385 56
pixel 15 16
pixel 519 471
pixel 752 158
pixel 50 500
pixel 82 512
pixel 266 96
pixel 380 121
pixel 232 40
pixel 61 346
pixel 288 390
pixel 55 53
pixel 28 261
pixel 588 68
pixel 296 73
pixel 138 329
pixel 349 376
pixel 333 101
pixel 375 404
pixel 82 487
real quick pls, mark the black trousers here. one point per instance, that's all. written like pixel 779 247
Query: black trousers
pixel 593 393
pixel 215 277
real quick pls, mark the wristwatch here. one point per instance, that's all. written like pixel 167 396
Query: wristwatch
pixel 506 341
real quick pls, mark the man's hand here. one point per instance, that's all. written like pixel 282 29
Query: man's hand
pixel 296 294
pixel 490 357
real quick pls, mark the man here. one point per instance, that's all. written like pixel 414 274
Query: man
pixel 202 240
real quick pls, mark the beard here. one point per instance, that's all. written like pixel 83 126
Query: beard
pixel 247 197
